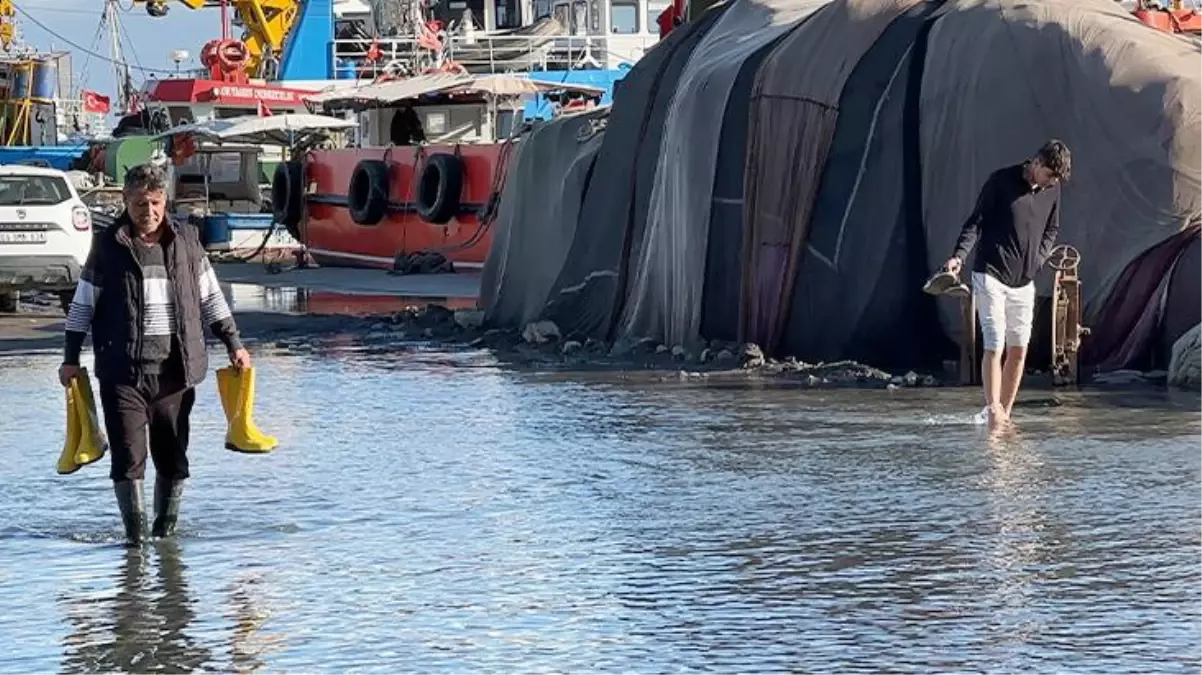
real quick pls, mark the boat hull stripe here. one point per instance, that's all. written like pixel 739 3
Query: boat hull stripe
pixel 467 208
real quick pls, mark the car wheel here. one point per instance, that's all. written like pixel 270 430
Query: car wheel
pixel 64 300
pixel 8 301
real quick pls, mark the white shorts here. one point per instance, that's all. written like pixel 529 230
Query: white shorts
pixel 1004 312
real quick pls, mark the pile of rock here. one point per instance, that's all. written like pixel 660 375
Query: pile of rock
pixel 542 344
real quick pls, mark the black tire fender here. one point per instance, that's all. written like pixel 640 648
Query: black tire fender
pixel 367 196
pixel 439 187
pixel 287 196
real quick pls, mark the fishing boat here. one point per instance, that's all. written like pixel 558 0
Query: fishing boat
pixel 451 86
pixel 418 190
pixel 217 173
pixel 436 90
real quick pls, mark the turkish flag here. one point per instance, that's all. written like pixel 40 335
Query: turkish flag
pixel 263 110
pixel 95 103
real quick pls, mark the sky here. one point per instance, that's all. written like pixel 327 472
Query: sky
pixel 147 41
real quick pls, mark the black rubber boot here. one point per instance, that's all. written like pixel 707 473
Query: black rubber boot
pixel 167 496
pixel 133 510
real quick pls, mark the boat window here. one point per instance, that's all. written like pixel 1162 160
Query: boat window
pixel 226 113
pixel 561 15
pixel 579 17
pixel 542 9
pixel 625 17
pixel 507 121
pixel 508 14
pixel 653 12
pixel 594 15
pixel 180 115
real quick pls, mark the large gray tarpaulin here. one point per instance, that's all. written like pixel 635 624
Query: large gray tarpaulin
pixel 1002 77
pixel 724 243
pixel 664 300
pixel 1128 321
pixel 534 231
pixel 1182 307
pixel 925 111
pixel 795 107
pixel 588 295
pixel 865 253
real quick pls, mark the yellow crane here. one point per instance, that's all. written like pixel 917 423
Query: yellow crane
pixel 8 26
pixel 266 25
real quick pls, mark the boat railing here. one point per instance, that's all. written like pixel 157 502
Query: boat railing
pixel 494 53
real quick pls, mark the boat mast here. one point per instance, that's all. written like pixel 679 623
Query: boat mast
pixel 121 74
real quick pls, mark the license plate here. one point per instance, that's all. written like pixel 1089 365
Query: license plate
pixel 22 237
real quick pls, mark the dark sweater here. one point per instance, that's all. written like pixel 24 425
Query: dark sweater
pixel 1014 226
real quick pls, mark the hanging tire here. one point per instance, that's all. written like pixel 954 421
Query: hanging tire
pixel 367 196
pixel 439 187
pixel 287 196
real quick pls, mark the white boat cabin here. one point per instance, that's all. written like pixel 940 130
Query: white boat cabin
pixel 505 36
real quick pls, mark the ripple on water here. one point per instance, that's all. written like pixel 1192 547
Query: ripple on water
pixel 429 511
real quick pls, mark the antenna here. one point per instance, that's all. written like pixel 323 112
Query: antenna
pixel 178 56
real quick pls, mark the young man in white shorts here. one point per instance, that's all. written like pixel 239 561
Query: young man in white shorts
pixel 1014 228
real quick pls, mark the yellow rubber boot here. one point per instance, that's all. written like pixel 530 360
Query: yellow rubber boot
pixel 227 393
pixel 239 394
pixel 66 459
pixel 92 443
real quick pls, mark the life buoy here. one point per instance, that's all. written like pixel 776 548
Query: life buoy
pixel 287 196
pixel 439 187
pixel 367 196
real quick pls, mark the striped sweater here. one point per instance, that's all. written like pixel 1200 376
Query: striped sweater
pixel 159 329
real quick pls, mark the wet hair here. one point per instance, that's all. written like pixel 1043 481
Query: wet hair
pixel 1055 156
pixel 146 177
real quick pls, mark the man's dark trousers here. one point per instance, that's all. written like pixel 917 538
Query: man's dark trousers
pixel 155 409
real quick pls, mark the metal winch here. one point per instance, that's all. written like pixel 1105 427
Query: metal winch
pixel 1066 327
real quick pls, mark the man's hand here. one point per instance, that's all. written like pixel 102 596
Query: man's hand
pixel 66 373
pixel 952 265
pixel 240 359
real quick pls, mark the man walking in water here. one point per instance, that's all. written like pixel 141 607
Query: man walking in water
pixel 146 291
pixel 1016 220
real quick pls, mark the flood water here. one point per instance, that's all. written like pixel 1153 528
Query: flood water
pixel 430 511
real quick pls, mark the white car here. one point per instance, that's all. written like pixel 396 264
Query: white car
pixel 45 232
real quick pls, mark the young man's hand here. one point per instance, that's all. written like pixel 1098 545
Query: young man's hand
pixel 66 373
pixel 240 359
pixel 952 265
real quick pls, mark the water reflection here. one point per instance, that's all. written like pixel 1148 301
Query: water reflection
pixel 251 298
pixel 429 511
pixel 143 627
pixel 249 646
pixel 1015 488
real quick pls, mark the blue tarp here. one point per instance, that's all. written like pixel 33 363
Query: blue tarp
pixel 57 156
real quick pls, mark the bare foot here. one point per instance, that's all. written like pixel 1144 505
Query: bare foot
pixel 998 417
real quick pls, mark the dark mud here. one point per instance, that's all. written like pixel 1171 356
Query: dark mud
pixel 37 326
pixel 540 346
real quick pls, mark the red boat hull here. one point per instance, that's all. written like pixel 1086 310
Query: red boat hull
pixel 333 238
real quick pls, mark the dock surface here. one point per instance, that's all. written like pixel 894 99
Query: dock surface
pixel 352 281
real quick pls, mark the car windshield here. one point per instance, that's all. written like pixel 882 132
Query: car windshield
pixel 33 190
